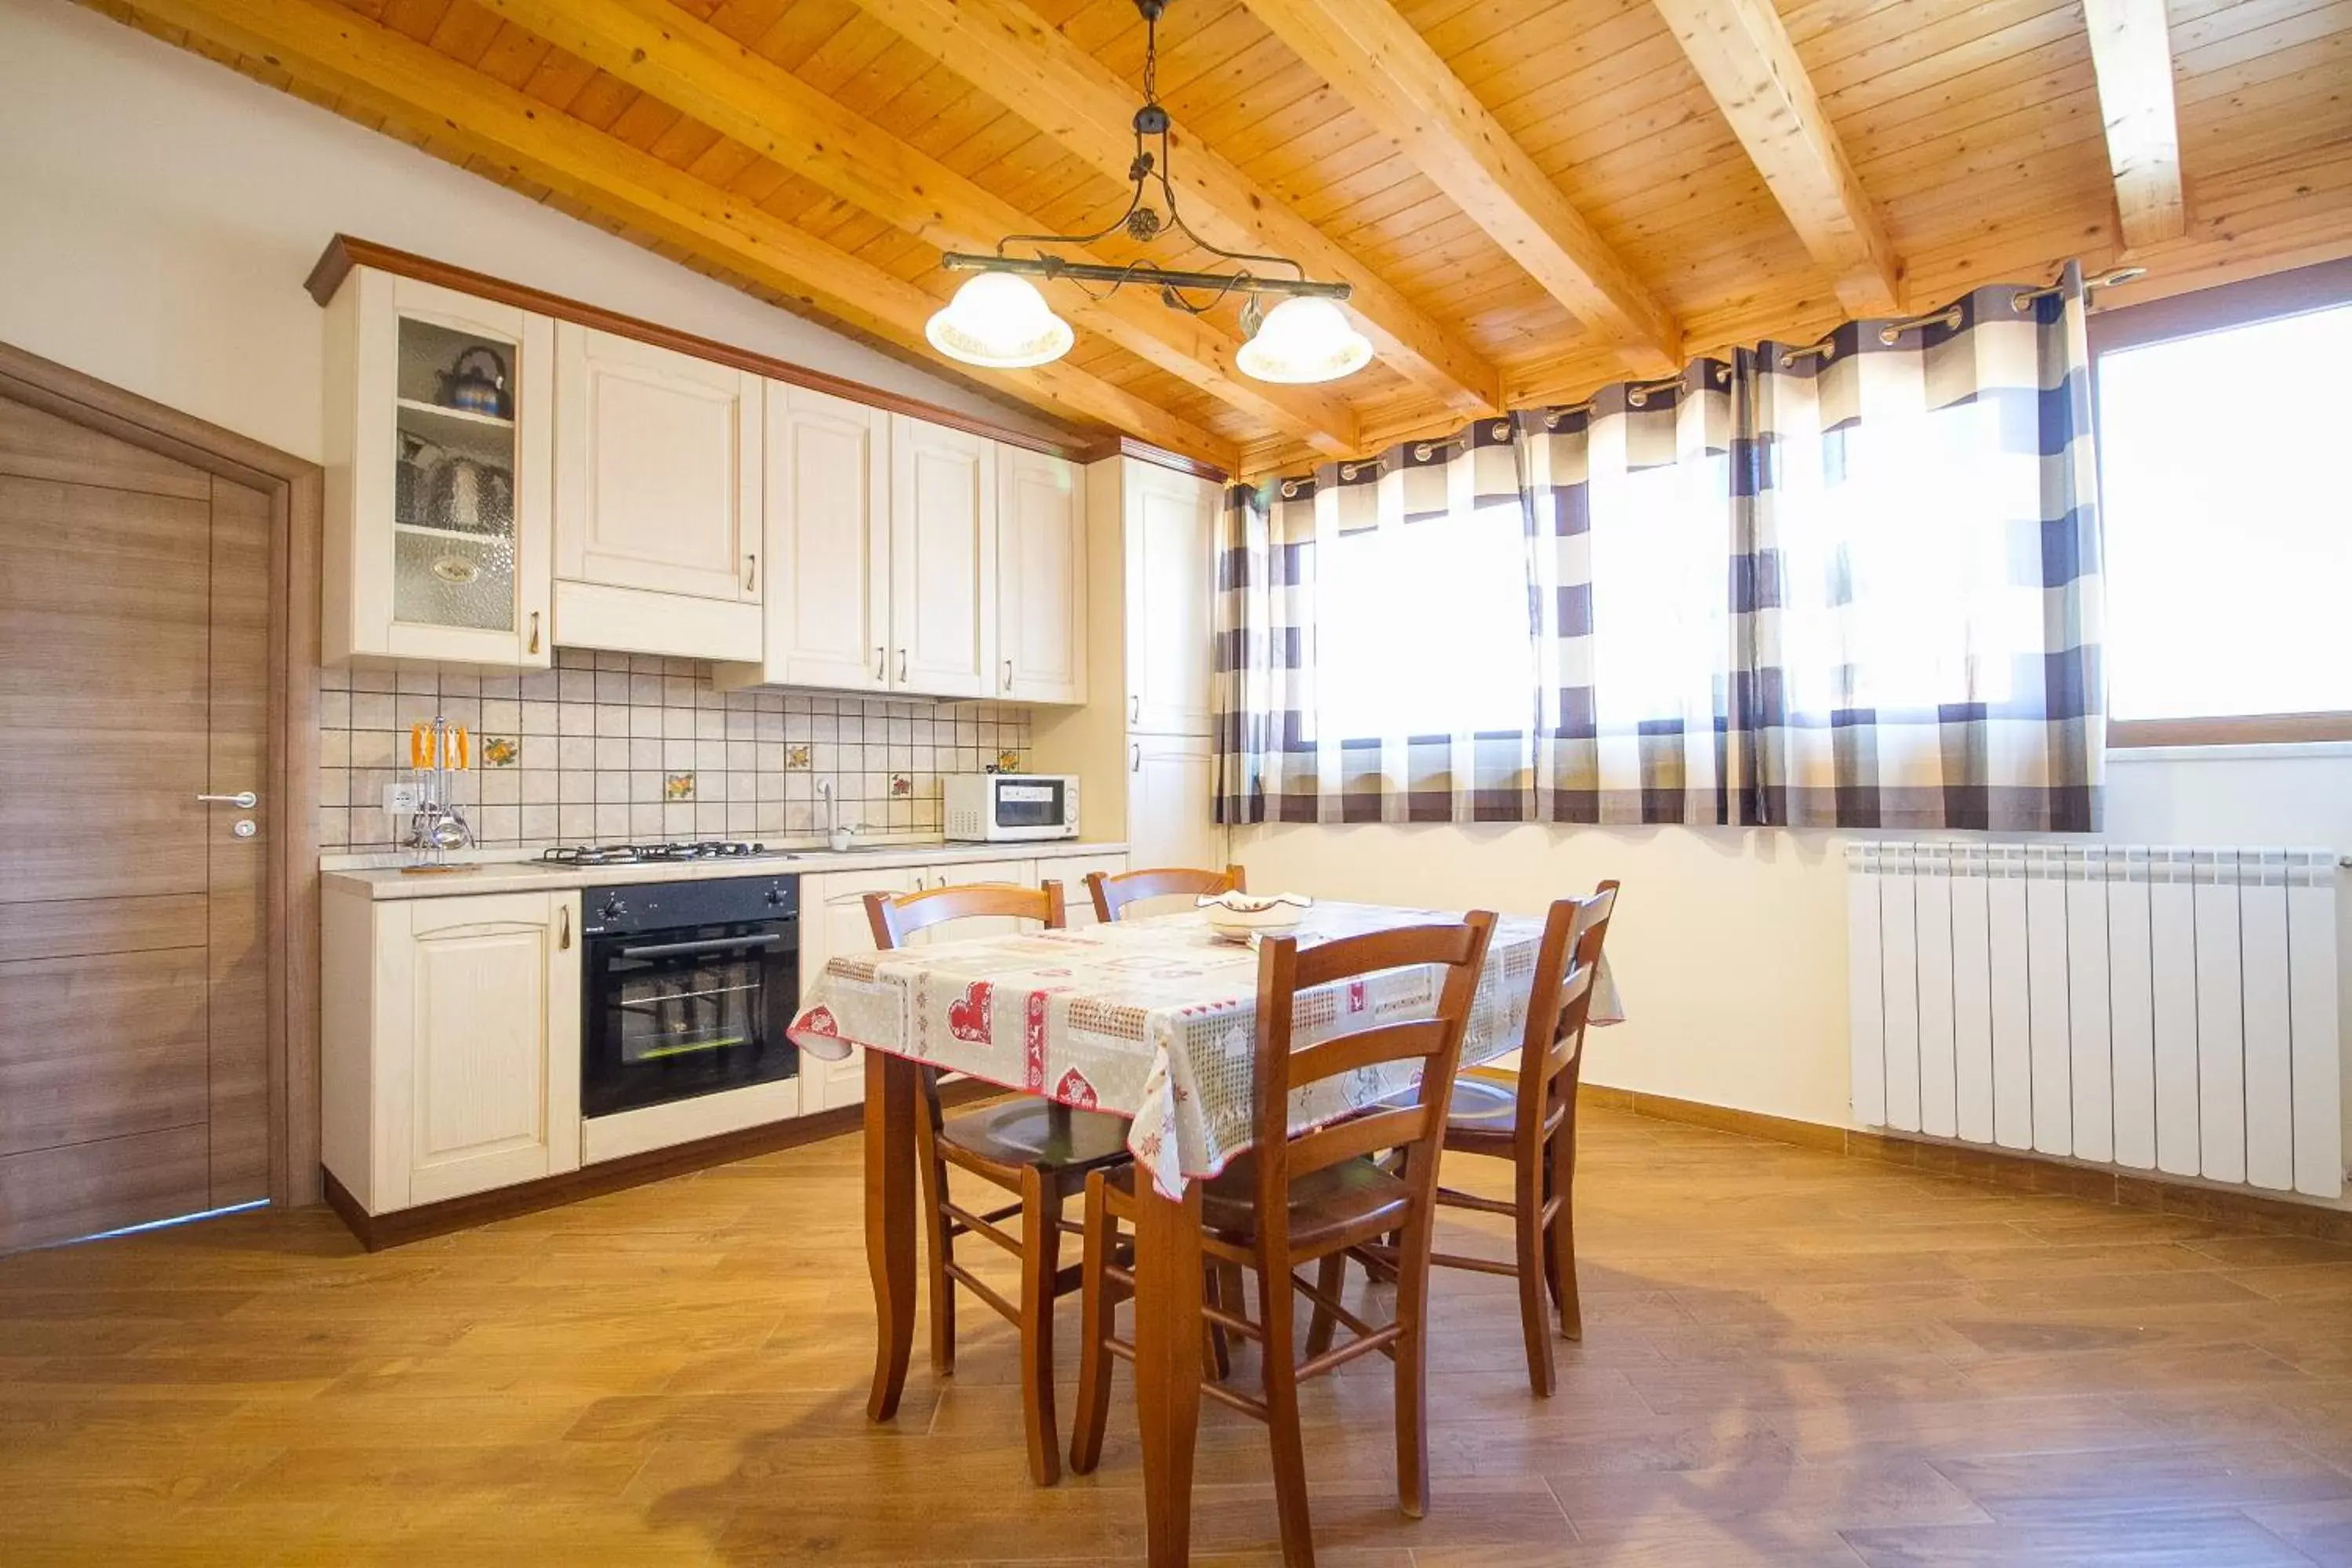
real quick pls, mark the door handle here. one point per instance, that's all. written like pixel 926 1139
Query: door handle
pixel 563 928
pixel 244 799
pixel 751 574
pixel 534 633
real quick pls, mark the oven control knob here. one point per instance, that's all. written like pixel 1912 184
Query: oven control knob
pixel 614 910
pixel 775 897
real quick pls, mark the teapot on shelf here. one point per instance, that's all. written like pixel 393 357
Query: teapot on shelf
pixel 466 386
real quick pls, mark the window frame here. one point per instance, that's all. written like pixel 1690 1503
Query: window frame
pixel 2301 291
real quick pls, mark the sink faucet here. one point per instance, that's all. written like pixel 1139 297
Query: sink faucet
pixel 824 793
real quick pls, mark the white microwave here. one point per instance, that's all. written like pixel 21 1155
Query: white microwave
pixel 997 809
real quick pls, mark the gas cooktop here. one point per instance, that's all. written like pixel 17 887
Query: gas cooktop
pixel 647 854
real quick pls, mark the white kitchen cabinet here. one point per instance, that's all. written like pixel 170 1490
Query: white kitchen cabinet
pixel 657 499
pixel 833 921
pixel 828 542
pixel 451 1057
pixel 439 413
pixel 1072 870
pixel 1171 802
pixel 942 560
pixel 1041 575
pixel 1171 532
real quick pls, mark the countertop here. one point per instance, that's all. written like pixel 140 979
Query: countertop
pixel 521 874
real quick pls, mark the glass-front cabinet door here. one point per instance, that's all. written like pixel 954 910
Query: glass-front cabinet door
pixel 439 541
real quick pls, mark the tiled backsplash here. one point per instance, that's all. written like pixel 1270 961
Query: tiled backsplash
pixel 612 747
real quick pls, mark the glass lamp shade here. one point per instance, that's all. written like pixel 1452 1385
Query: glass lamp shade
pixel 999 321
pixel 1304 340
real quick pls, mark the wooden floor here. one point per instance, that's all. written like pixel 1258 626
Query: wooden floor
pixel 1790 1358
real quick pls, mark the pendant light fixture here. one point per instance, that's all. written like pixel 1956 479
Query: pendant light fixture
pixel 998 319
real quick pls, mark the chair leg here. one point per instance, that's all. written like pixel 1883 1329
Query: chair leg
pixel 1095 1308
pixel 1411 1372
pixel 1330 1277
pixel 1217 1355
pixel 937 1240
pixel 1559 1243
pixel 1527 1233
pixel 1041 1238
pixel 1275 1303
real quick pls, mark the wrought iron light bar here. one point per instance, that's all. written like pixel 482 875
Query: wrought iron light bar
pixel 1142 272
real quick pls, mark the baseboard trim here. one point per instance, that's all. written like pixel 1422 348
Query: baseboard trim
pixel 377 1232
pixel 1998 1167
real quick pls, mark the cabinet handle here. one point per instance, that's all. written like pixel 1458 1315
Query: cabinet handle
pixel 1135 708
pixel 751 574
pixel 564 928
pixel 1135 759
pixel 902 664
pixel 1008 675
pixel 534 633
pixel 881 665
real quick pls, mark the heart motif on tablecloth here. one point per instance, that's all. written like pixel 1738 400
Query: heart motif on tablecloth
pixel 1074 1089
pixel 968 1015
pixel 818 1021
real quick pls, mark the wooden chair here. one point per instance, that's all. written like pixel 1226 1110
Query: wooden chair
pixel 1529 1119
pixel 1294 1200
pixel 1114 893
pixel 1035 1150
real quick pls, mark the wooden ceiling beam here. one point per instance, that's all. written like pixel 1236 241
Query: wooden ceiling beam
pixel 2131 55
pixel 1022 61
pixel 1742 53
pixel 699 70
pixel 1380 64
pixel 332 50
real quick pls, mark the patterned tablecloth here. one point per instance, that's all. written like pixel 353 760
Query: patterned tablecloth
pixel 1154 1019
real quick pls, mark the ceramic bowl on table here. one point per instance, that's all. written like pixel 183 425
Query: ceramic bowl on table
pixel 1243 917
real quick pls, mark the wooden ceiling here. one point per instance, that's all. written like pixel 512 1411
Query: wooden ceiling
pixel 1532 197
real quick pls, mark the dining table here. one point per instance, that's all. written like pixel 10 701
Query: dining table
pixel 1153 1019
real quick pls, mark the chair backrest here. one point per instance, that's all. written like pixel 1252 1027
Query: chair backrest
pixel 1114 893
pixel 894 917
pixel 1553 1046
pixel 1435 1041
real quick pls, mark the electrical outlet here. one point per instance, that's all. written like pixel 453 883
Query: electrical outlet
pixel 399 799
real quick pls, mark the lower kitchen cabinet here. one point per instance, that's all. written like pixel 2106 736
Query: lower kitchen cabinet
pixel 1171 786
pixel 451 1051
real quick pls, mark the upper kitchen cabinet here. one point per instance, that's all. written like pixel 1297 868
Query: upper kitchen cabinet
pixel 942 560
pixel 1170 527
pixel 1041 565
pixel 828 603
pixel 439 418
pixel 658 503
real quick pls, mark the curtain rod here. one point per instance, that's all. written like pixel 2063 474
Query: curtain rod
pixel 1950 315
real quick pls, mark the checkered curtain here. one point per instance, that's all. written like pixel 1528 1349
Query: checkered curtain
pixel 1853 583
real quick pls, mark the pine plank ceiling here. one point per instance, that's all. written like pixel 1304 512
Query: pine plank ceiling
pixel 822 153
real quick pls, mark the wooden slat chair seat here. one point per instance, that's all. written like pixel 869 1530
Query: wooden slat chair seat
pixel 1317 1196
pixel 1113 893
pixel 1040 1152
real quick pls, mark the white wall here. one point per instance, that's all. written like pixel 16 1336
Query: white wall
pixel 1730 944
pixel 158 214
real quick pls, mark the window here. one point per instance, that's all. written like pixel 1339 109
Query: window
pixel 2227 519
pixel 1421 627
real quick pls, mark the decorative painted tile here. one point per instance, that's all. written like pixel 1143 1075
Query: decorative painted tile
pixel 500 751
pixel 677 786
pixel 901 785
pixel 796 759
pixel 1008 762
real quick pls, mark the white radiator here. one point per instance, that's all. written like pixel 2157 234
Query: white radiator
pixel 2159 1008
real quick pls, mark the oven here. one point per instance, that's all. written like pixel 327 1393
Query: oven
pixel 687 990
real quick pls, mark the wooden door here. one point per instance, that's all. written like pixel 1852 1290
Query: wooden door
pixel 1041 577
pixel 482 998
pixel 657 469
pixel 833 921
pixel 942 560
pixel 828 529
pixel 1171 534
pixel 1171 802
pixel 133 990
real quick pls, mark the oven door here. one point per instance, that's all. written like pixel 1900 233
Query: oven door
pixel 675 1014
